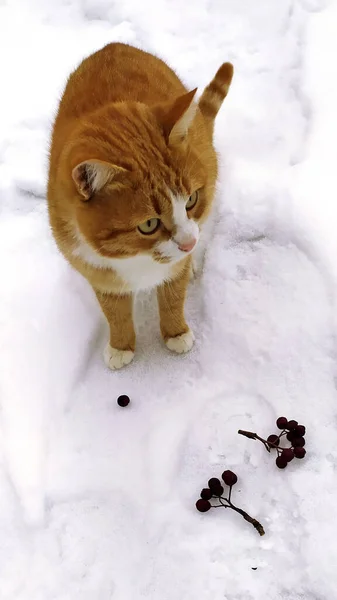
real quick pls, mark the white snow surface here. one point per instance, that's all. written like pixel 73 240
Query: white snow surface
pixel 98 502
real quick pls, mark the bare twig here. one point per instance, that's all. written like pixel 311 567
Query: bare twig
pixel 243 513
pixel 254 436
pixel 267 445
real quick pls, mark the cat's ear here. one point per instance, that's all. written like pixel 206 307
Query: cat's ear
pixel 176 117
pixel 92 175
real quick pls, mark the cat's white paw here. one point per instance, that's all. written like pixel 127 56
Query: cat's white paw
pixel 181 343
pixel 116 359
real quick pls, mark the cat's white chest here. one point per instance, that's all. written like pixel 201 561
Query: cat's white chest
pixel 140 272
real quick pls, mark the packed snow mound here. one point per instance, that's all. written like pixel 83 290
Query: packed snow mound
pixel 98 502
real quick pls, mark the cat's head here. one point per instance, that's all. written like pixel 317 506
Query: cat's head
pixel 144 179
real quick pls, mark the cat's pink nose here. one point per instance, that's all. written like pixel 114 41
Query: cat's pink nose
pixel 188 246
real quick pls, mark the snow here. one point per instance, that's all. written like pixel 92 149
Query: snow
pixel 97 502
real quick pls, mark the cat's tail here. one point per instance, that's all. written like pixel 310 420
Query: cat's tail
pixel 215 93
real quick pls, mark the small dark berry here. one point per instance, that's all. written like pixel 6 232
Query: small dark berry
pixel 206 494
pixel 299 442
pixel 292 424
pixel 214 484
pixel 299 452
pixel 281 462
pixel 291 436
pixel 218 491
pixel 123 400
pixel 202 505
pixel 282 423
pixel 229 478
pixel 288 454
pixel 273 439
pixel 300 430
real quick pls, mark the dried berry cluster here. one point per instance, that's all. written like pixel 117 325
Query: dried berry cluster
pixel 212 496
pixel 290 430
pixel 214 492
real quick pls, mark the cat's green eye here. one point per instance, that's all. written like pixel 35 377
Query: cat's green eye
pixel 150 226
pixel 191 202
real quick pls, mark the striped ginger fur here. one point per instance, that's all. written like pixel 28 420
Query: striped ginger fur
pixel 214 94
pixel 132 177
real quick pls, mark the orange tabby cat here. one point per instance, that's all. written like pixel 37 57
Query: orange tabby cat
pixel 131 182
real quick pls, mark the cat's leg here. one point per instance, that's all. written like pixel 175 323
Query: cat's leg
pixel 198 255
pixel 198 258
pixel 171 299
pixel 118 311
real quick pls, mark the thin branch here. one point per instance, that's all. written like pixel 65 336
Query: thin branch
pixel 255 436
pixel 243 513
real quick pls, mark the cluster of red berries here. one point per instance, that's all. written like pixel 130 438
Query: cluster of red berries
pixel 293 432
pixel 215 491
pixel 212 496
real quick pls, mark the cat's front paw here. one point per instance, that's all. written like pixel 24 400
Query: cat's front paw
pixel 116 359
pixel 181 343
